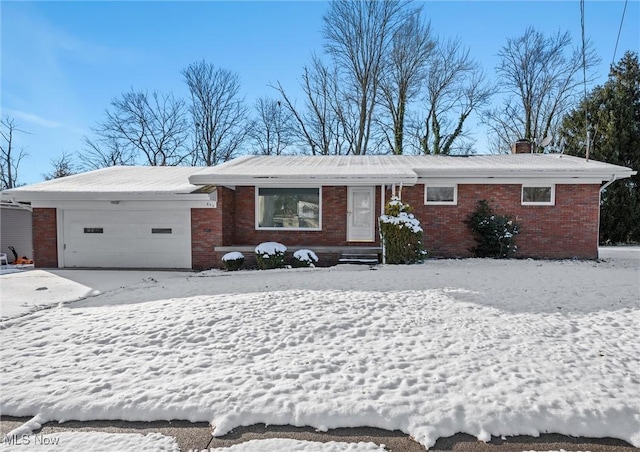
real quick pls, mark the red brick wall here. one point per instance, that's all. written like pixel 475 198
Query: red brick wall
pixel 567 230
pixel 334 222
pixel 45 238
pixel 206 232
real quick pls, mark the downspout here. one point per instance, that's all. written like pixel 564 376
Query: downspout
pixel 613 179
pixel 603 188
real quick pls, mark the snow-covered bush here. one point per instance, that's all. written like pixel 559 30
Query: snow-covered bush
pixel 270 255
pixel 401 234
pixel 494 234
pixel 304 258
pixel 232 261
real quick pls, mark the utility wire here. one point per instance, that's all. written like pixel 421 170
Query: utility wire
pixel 613 60
pixel 584 78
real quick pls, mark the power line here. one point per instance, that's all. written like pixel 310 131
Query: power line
pixel 584 78
pixel 613 60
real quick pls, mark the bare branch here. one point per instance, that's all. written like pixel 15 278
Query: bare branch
pixel 358 35
pixel 10 158
pixel 218 112
pixel 272 131
pixel 539 77
pixel 455 87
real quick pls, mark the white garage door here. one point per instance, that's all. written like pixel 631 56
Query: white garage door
pixel 127 239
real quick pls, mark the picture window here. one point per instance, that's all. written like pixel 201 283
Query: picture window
pixel 441 194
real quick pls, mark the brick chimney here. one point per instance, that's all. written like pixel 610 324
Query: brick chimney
pixel 521 147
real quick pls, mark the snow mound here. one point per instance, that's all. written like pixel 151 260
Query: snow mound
pixel 430 363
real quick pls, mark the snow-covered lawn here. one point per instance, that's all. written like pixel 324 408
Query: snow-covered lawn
pixel 477 346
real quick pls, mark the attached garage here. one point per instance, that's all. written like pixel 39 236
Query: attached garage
pixel 118 217
pixel 127 238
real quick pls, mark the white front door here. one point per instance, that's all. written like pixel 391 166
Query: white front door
pixel 361 203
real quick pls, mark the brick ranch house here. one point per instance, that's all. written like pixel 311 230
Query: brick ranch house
pixel 189 217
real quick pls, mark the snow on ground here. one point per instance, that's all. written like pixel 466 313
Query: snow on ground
pixel 478 346
pixel 619 252
pixel 291 445
pixel 25 291
pixel 90 441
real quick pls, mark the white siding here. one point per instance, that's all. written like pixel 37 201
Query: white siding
pixel 15 231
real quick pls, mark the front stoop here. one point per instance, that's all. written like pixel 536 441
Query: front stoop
pixel 359 258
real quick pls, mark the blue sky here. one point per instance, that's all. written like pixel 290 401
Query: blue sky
pixel 62 62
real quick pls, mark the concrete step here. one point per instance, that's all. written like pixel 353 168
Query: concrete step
pixel 367 259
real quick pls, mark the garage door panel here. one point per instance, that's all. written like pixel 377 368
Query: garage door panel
pixel 127 239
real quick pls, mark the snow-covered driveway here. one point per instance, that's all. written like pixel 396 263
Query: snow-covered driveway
pixel 478 346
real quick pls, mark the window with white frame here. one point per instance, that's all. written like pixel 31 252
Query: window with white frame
pixel 538 195
pixel 441 194
pixel 288 208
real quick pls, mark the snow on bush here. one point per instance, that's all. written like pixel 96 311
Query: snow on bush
pixel 304 258
pixel 270 255
pixel 233 261
pixel 494 234
pixel 401 233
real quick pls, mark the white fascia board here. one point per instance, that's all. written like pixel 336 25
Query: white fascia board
pixel 599 174
pixel 509 181
pixel 300 181
pixel 34 196
pixel 123 205
pixel 547 177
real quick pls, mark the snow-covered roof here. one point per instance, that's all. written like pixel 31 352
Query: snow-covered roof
pixel 117 182
pixel 197 183
pixel 406 169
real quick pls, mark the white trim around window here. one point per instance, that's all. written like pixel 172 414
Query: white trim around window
pixel 538 195
pixel 441 194
pixel 288 209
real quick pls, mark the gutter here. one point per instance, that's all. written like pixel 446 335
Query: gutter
pixel 12 203
pixel 611 181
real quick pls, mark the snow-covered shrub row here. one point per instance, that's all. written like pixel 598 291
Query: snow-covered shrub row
pixel 494 234
pixel 233 261
pixel 401 233
pixel 304 258
pixel 270 255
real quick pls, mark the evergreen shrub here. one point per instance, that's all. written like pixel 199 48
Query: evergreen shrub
pixel 270 255
pixel 233 261
pixel 304 258
pixel 494 234
pixel 401 234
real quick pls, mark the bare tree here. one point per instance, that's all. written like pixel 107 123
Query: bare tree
pixel 103 152
pixel 218 111
pixel 412 46
pixel 539 76
pixel 62 166
pixel 455 87
pixel 358 35
pixel 152 125
pixel 272 131
pixel 319 124
pixel 10 157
